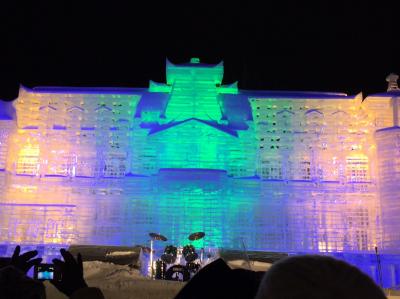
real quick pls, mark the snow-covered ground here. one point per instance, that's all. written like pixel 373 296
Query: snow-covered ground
pixel 121 281
pixel 252 265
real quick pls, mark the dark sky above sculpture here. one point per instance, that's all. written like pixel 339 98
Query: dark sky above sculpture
pixel 347 46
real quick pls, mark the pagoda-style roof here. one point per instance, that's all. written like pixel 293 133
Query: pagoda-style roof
pixel 217 126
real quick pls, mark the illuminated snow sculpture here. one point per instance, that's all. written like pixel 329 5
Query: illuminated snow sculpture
pixel 279 171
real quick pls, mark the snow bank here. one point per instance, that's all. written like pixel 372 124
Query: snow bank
pixel 117 282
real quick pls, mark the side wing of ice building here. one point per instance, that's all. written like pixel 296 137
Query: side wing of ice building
pixel 285 171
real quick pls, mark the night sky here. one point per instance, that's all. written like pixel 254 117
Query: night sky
pixel 347 46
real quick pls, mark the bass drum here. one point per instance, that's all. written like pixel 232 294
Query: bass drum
pixel 177 273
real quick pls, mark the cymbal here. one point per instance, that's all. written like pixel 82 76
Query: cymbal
pixel 196 236
pixel 156 236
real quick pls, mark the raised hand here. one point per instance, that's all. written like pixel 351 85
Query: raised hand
pixel 24 261
pixel 70 272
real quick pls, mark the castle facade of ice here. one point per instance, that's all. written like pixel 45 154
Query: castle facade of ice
pixel 274 170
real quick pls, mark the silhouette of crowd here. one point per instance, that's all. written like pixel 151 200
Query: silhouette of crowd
pixel 15 284
pixel 297 277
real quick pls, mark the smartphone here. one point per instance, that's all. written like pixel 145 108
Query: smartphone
pixel 44 272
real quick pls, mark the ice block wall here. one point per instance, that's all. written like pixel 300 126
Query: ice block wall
pixel 388 143
pixel 313 139
pixel 72 134
pixel 267 215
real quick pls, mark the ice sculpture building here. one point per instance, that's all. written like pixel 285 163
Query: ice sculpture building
pixel 281 171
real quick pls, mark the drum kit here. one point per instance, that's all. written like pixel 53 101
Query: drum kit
pixel 176 263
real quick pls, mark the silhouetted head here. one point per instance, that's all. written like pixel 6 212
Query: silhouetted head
pixel 218 280
pixel 14 284
pixel 316 277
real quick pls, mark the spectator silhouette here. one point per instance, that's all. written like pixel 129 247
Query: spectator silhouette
pixel 72 282
pixel 14 284
pixel 26 261
pixel 316 277
pixel 218 280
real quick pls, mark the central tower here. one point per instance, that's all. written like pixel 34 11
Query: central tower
pixel 194 91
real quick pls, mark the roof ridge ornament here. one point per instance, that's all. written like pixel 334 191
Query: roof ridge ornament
pixel 392 82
